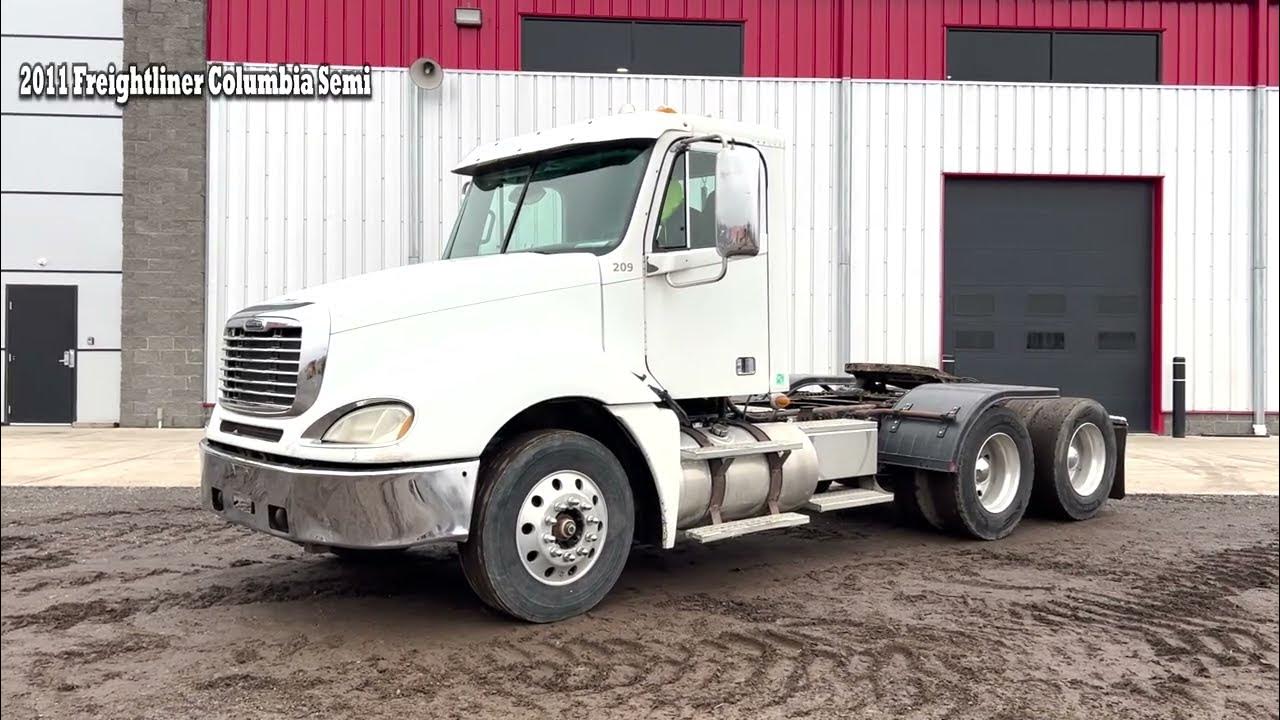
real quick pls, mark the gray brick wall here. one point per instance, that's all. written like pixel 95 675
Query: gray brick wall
pixel 162 358
pixel 1222 424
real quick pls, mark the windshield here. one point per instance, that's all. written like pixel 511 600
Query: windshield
pixel 569 202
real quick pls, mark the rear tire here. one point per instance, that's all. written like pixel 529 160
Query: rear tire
pixel 989 495
pixel 553 484
pixel 913 500
pixel 1075 454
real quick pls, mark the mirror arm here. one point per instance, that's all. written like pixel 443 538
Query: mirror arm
pixel 724 269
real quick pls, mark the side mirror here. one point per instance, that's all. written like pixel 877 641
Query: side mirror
pixel 737 211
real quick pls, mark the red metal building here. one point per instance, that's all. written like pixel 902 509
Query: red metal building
pixel 1203 42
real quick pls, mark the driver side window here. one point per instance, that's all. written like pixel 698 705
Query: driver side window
pixel 687 218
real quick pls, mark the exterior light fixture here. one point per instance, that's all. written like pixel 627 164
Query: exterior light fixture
pixel 467 17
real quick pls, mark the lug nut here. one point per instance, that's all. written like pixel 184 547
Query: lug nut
pixel 570 557
pixel 592 537
pixel 548 538
pixel 594 519
pixel 555 552
pixel 574 502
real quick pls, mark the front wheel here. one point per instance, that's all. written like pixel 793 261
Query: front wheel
pixel 552 526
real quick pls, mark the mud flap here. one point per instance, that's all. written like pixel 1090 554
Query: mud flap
pixel 933 443
pixel 1121 426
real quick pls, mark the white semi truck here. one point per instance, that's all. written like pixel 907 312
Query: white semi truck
pixel 601 358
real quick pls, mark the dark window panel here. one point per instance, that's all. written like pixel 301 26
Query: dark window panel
pixel 686 49
pixel 587 46
pixel 1112 340
pixel 1041 340
pixel 1106 57
pixel 604 46
pixel 984 304
pixel 997 55
pixel 1047 304
pixel 975 340
pixel 1118 304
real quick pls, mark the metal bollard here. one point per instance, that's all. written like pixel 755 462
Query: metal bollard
pixel 1179 397
pixel 948 364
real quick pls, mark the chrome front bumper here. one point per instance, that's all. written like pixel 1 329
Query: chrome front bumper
pixel 375 508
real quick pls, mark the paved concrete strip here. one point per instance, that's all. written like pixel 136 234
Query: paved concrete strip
pixel 46 456
pixel 43 456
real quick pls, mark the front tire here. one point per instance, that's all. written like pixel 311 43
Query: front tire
pixel 989 494
pixel 552 526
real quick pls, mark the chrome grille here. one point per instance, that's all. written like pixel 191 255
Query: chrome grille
pixel 260 368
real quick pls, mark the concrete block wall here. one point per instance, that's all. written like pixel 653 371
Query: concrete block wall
pixel 162 334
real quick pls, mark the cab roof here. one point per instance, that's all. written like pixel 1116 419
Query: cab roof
pixel 623 126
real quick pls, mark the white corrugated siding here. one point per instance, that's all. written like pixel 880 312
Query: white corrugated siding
pixel 904 136
pixel 302 192
pixel 307 191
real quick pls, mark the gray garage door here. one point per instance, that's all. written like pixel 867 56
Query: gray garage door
pixel 1049 282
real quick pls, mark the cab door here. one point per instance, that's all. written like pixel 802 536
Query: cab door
pixel 706 320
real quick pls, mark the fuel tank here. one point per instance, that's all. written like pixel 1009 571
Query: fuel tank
pixel 747 480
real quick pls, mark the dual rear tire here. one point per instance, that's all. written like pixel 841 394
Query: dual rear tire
pixel 1057 456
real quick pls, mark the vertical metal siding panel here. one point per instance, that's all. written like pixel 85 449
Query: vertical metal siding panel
pixel 256 43
pixel 1272 164
pixel 216 15
pixel 294 205
pixel 274 195
pixel 215 235
pixel 313 180
pixel 277 30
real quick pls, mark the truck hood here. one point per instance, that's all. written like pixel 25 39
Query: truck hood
pixel 430 287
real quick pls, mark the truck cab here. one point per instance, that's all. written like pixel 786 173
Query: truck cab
pixel 600 357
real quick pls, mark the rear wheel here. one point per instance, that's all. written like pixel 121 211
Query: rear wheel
pixel 912 498
pixel 988 495
pixel 1075 453
pixel 552 526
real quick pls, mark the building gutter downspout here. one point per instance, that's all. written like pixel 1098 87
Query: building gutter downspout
pixel 1258 225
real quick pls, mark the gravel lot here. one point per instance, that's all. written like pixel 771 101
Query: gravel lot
pixel 133 603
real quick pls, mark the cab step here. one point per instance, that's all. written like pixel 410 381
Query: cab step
pixel 746 526
pixel 843 499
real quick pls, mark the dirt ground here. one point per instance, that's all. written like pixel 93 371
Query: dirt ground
pixel 125 602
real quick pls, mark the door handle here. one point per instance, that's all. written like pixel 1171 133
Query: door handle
pixel 68 358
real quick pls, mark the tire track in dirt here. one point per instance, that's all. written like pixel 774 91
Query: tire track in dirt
pixel 1183 611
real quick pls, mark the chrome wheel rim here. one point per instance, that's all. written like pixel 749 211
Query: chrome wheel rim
pixel 561 527
pixel 997 473
pixel 1086 459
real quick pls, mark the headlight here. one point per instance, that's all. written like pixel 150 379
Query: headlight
pixel 372 425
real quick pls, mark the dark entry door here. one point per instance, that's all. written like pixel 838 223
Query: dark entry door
pixel 41 353
pixel 1048 282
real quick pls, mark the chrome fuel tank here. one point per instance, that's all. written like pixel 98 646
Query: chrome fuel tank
pixel 747 479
